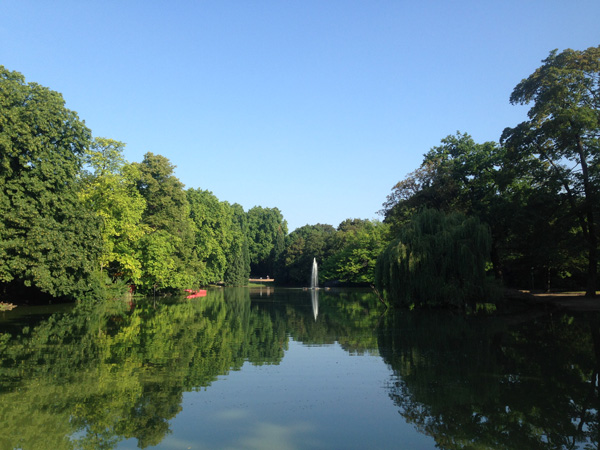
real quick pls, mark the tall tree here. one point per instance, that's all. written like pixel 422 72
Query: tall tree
pixel 108 189
pixel 459 174
pixel 564 130
pixel 361 243
pixel 214 233
pixel 264 227
pixel 48 240
pixel 238 257
pixel 167 214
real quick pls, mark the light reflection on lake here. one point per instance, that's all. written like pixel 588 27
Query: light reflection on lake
pixel 259 368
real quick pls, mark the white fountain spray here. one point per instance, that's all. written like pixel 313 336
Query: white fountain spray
pixel 314 288
pixel 314 276
pixel 314 296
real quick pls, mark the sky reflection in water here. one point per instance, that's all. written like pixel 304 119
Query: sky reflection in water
pixel 318 397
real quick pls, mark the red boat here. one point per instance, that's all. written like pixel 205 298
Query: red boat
pixel 195 294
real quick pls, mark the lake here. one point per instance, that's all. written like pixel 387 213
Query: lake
pixel 282 368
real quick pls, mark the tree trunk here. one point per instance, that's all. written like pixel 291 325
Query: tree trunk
pixel 496 263
pixel 591 227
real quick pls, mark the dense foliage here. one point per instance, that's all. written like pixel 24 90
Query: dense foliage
pixel 238 258
pixel 48 240
pixel 537 190
pixel 108 187
pixel 359 244
pixel 78 219
pixel 303 245
pixel 437 259
pixel 563 131
pixel 266 236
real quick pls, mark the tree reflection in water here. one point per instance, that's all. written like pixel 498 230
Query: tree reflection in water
pixel 102 373
pixel 491 383
pixel 99 374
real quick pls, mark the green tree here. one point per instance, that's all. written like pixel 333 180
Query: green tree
pixel 109 190
pixel 167 214
pixel 160 264
pixel 458 175
pixel 214 233
pixel 265 228
pixel 519 204
pixel 436 259
pixel 238 258
pixel 303 245
pixel 362 242
pixel 512 195
pixel 564 130
pixel 48 240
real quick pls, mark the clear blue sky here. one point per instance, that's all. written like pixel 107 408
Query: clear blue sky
pixel 315 107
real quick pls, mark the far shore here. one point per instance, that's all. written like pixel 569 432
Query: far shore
pixel 572 301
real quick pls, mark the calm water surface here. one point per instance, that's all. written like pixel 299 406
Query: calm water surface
pixel 293 369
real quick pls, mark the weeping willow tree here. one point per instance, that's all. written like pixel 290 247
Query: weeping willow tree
pixel 437 259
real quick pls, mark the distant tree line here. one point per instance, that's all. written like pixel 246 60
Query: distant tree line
pixel 77 220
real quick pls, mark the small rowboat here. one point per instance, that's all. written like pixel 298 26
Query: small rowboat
pixel 195 294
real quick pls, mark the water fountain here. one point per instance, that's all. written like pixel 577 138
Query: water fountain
pixel 314 276
pixel 314 296
pixel 314 288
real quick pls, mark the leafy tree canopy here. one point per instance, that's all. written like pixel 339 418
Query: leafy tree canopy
pixel 362 242
pixel 214 233
pixel 238 257
pixel 266 234
pixel 303 245
pixel 436 259
pixel 167 213
pixel 563 130
pixel 48 240
pixel 109 190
